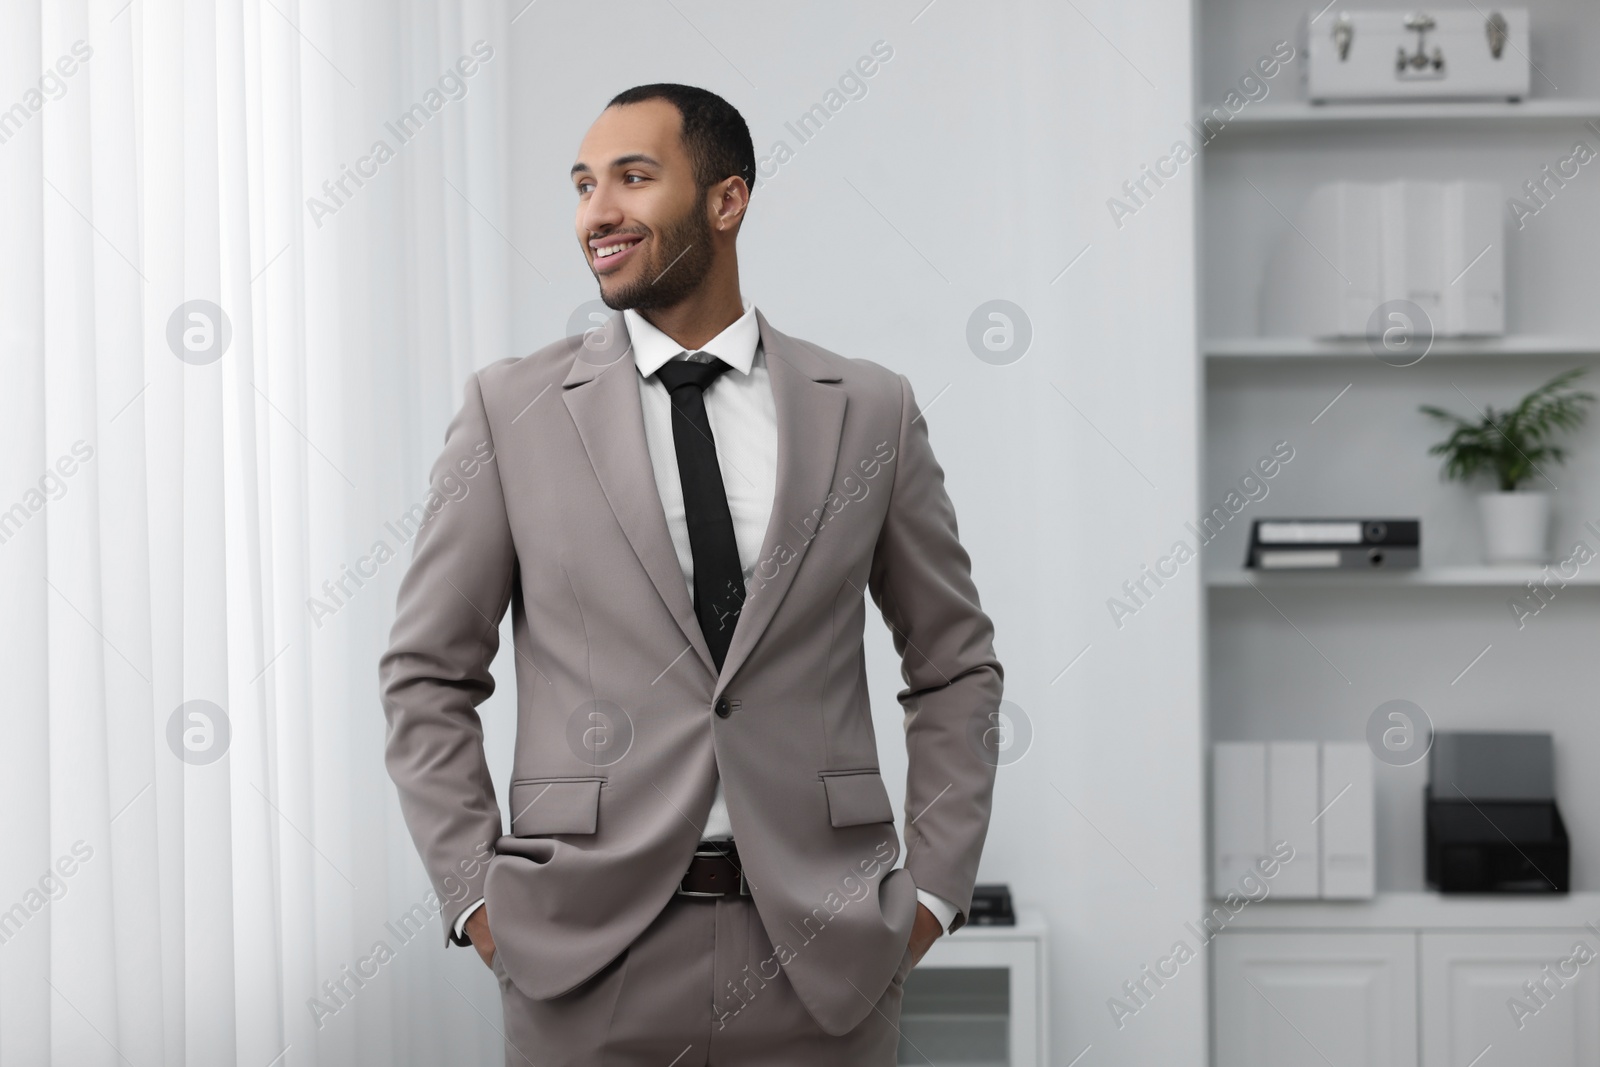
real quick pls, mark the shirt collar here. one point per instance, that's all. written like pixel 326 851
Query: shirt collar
pixel 735 346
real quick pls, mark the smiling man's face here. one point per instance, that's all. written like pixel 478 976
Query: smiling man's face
pixel 643 224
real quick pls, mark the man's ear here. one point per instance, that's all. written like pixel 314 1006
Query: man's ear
pixel 727 201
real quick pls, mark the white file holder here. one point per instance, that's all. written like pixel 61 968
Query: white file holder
pixel 1292 817
pixel 1239 813
pixel 1347 826
pixel 1357 248
pixel 1317 797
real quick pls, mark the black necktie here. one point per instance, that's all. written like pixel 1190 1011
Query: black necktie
pixel 718 578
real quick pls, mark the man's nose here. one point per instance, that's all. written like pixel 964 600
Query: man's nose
pixel 599 211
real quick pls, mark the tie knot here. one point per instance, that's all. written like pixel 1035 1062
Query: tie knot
pixel 677 373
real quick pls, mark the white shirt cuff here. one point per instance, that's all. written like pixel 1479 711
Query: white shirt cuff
pixel 461 920
pixel 942 909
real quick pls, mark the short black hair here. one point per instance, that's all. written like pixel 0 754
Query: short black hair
pixel 714 133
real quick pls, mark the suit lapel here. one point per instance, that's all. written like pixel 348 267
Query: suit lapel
pixel 602 393
pixel 601 390
pixel 810 417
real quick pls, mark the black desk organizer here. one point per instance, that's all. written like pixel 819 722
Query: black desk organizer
pixel 1492 821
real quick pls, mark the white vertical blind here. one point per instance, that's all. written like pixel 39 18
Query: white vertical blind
pixel 169 519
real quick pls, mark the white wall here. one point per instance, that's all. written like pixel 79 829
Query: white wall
pixel 978 166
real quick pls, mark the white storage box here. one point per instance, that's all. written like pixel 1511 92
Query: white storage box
pixel 1357 246
pixel 1452 53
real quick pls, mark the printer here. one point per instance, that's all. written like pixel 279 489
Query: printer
pixel 1492 821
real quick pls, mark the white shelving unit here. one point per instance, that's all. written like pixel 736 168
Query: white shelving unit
pixel 1410 977
pixel 980 996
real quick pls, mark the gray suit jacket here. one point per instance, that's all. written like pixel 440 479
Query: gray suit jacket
pixel 622 722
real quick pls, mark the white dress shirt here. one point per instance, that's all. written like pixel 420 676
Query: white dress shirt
pixel 744 424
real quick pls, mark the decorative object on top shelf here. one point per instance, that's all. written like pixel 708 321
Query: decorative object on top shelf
pixel 1334 544
pixel 1397 263
pixel 1511 445
pixel 1456 54
pixel 1492 821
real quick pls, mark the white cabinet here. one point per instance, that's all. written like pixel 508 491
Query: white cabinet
pixel 1410 978
pixel 1311 999
pixel 980 998
pixel 1475 997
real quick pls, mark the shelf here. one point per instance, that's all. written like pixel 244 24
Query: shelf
pixel 1301 115
pixel 1423 911
pixel 1439 577
pixel 1288 349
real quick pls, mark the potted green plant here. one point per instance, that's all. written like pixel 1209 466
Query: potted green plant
pixel 1514 446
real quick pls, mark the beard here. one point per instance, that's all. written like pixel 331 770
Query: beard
pixel 675 265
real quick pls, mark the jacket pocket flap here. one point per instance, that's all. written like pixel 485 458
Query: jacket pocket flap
pixel 856 798
pixel 555 806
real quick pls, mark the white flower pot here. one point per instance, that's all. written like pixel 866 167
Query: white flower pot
pixel 1516 527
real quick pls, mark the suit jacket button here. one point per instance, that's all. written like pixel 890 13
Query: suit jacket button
pixel 723 709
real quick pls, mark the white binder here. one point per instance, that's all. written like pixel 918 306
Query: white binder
pixel 1347 822
pixel 1239 808
pixel 1292 816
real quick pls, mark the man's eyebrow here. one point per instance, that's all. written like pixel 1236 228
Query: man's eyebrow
pixel 621 161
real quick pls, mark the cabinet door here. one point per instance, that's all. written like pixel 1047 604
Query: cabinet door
pixel 1308 1000
pixel 1473 984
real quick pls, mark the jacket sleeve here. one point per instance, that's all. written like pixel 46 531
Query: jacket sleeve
pixel 436 669
pixel 921 581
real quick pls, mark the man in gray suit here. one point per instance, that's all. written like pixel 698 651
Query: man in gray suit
pixel 683 509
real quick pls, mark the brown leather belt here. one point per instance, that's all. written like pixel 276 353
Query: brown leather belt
pixel 714 871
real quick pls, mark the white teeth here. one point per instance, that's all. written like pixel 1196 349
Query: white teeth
pixel 611 250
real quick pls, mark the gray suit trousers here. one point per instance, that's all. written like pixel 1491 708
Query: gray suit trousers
pixel 701 987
